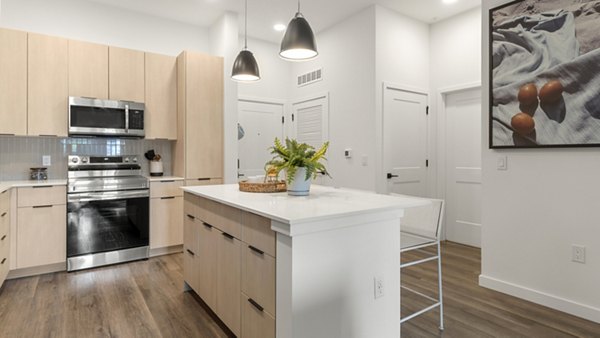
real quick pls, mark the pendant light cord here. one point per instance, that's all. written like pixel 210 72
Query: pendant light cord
pixel 246 25
pixel 298 6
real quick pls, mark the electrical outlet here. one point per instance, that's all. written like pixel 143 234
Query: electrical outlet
pixel 578 254
pixel 46 160
pixel 378 284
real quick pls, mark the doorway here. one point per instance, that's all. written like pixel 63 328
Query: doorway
pixel 462 115
pixel 405 141
pixel 259 123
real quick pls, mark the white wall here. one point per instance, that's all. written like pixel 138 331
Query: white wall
pixel 347 56
pixel 402 58
pixel 88 21
pixel 533 213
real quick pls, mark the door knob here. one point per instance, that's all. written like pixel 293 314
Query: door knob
pixel 390 176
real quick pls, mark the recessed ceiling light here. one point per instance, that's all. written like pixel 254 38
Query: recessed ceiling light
pixel 449 1
pixel 279 27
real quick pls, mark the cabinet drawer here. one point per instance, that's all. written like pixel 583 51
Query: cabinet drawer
pixel 41 236
pixel 4 201
pixel 258 277
pixel 190 252
pixel 4 222
pixel 190 204
pixel 221 216
pixel 256 323
pixel 166 222
pixel 256 231
pixel 41 195
pixel 4 244
pixel 4 267
pixel 166 189
pixel 203 181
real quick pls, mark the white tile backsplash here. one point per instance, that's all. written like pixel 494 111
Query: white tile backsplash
pixel 18 154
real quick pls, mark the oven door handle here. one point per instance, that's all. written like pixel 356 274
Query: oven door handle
pixel 107 195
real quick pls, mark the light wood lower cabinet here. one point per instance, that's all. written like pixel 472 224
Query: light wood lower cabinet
pixel 41 235
pixel 166 222
pixel 4 235
pixel 229 281
pixel 256 323
pixel 227 272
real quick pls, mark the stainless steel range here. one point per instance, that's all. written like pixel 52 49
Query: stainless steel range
pixel 108 204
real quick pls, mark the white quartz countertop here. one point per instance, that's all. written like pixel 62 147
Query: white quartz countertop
pixel 5 185
pixel 323 203
pixel 164 178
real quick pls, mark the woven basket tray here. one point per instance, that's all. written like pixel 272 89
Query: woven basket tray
pixel 279 186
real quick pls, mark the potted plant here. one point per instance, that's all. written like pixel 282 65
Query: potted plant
pixel 301 161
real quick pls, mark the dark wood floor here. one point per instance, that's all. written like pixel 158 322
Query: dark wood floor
pixel 145 299
pixel 473 311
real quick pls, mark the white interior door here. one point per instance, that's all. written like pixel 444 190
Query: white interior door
pixel 405 142
pixel 463 167
pixel 259 123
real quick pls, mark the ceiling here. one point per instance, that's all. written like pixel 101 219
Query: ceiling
pixel 263 14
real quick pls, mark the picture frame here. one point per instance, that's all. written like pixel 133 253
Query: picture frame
pixel 544 71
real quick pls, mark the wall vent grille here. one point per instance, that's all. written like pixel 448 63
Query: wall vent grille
pixel 310 77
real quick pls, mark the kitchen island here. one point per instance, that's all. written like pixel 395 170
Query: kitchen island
pixel 273 265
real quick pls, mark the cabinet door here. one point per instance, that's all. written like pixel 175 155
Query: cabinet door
pixel 166 222
pixel 13 82
pixel 228 282
pixel 208 248
pixel 256 323
pixel 190 251
pixel 48 85
pixel 41 235
pixel 161 97
pixel 204 116
pixel 88 69
pixel 126 74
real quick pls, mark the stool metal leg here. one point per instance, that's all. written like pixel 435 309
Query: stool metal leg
pixel 440 286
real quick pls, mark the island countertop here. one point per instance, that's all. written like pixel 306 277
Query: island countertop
pixel 323 203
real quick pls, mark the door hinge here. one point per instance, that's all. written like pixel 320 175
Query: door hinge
pixel 426 163
pixel 292 117
pixel 283 119
pixel 427 110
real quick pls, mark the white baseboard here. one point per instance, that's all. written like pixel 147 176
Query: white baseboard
pixel 551 301
pixel 38 270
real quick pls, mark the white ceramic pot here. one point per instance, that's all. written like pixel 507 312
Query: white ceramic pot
pixel 156 168
pixel 300 186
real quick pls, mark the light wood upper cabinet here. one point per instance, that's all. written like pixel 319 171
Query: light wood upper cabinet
pixel 48 85
pixel 88 69
pixel 161 97
pixel 126 74
pixel 13 82
pixel 199 150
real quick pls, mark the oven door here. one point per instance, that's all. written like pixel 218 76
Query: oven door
pixel 100 222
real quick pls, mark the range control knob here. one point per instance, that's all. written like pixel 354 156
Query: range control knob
pixel 84 160
pixel 135 159
pixel 126 159
pixel 74 160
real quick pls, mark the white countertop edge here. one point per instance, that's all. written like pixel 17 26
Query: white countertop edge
pixel 293 222
pixel 5 185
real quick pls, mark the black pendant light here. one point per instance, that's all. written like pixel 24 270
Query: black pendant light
pixel 299 40
pixel 245 67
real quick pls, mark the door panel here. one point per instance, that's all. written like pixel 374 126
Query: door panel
pixel 463 167
pixel 405 142
pixel 261 123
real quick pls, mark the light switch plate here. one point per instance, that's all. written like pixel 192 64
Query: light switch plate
pixel 46 160
pixel 502 163
pixel 348 153
pixel 364 160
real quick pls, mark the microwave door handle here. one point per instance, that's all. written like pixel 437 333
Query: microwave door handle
pixel 127 118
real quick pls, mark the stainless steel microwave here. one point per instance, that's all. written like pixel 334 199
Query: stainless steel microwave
pixel 94 117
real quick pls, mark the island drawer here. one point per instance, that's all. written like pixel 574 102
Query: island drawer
pixel 258 277
pixel 221 216
pixel 4 222
pixel 4 244
pixel 41 195
pixel 167 188
pixel 4 201
pixel 256 231
pixel 256 323
pixel 190 204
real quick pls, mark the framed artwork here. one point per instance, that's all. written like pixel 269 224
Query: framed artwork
pixel 545 74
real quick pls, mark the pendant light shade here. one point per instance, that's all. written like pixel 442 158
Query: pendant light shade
pixel 299 40
pixel 245 67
